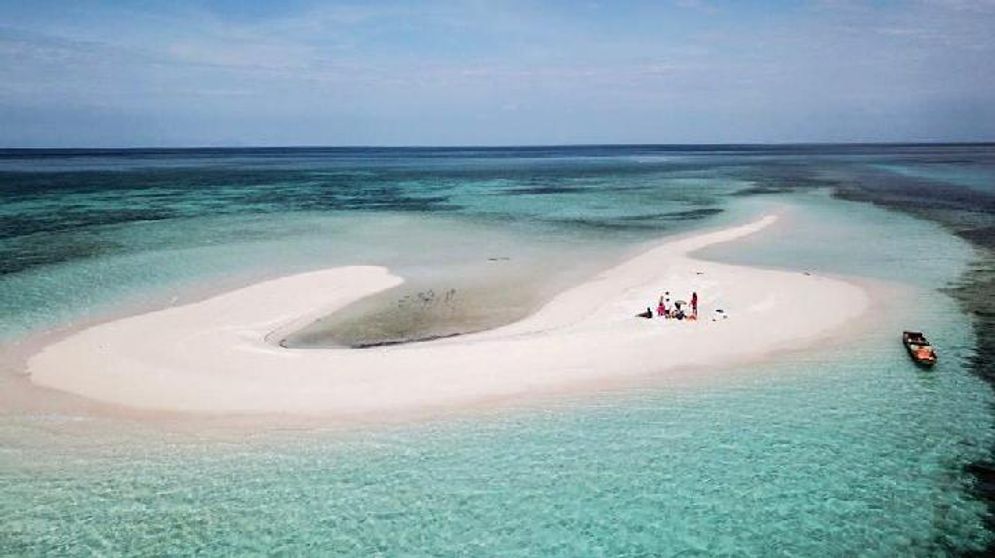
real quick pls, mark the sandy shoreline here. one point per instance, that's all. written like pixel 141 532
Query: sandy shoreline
pixel 220 355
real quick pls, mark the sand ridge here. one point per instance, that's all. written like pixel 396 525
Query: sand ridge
pixel 221 355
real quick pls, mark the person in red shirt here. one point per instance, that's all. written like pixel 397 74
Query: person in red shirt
pixel 694 304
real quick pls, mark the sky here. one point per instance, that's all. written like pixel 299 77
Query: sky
pixel 301 72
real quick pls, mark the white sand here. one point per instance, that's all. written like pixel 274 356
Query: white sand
pixel 220 355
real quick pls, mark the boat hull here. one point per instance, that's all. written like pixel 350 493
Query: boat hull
pixel 919 349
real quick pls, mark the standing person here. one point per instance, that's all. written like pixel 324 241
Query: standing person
pixel 694 304
pixel 661 309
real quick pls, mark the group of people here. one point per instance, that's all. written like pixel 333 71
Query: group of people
pixel 677 310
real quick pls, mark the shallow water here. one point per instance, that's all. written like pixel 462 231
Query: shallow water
pixel 84 233
pixel 844 450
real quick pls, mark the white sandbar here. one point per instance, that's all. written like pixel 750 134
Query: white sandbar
pixel 220 355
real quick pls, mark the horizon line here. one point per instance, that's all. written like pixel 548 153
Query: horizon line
pixel 502 146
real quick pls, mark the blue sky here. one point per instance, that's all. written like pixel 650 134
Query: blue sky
pixel 232 72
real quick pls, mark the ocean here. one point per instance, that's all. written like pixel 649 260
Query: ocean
pixel 839 450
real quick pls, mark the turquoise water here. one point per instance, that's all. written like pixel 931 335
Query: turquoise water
pixel 157 262
pixel 783 462
pixel 843 450
pixel 817 233
pixel 102 233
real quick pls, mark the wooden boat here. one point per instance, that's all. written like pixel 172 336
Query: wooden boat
pixel 919 348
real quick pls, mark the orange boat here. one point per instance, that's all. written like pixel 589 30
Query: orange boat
pixel 919 348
